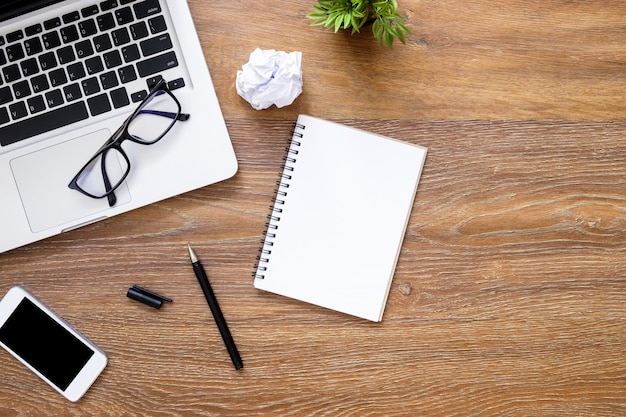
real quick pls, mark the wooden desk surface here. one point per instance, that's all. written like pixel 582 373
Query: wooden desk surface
pixel 510 292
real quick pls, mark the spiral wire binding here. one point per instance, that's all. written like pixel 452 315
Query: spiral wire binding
pixel 279 200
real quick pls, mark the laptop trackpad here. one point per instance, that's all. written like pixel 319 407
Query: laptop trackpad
pixel 42 178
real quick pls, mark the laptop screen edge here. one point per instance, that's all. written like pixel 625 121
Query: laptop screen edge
pixel 13 8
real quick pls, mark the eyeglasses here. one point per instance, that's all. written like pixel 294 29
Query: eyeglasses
pixel 148 124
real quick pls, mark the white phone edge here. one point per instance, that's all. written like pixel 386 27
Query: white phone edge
pixel 87 375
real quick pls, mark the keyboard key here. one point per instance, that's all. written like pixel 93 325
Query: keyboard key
pixel 4 116
pixel 33 30
pixel 119 97
pixel 105 22
pixel 71 17
pixel 131 53
pixel 1 41
pixel 155 45
pixel 39 83
pixel 21 89
pixel 156 64
pixel 102 42
pixel 157 24
pixel 138 96
pixel 57 77
pixel 87 28
pixel 54 98
pixel 138 30
pixel 43 122
pixel 33 46
pixel 90 86
pixel 29 67
pixel 52 23
pixel 89 11
pixel 15 52
pixel 152 81
pixel 112 59
pixel 127 74
pixel 15 36
pixel 36 104
pixel 72 92
pixel 120 36
pixel 47 61
pixel 146 8
pixel 76 71
pixel 69 34
pixel 18 110
pixel 11 73
pixel 109 80
pixel 3 59
pixel 124 16
pixel 108 5
pixel 83 49
pixel 5 95
pixel 51 40
pixel 176 84
pixel 94 65
pixel 99 104
pixel 126 1
pixel 66 55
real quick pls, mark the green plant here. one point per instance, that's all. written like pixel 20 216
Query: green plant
pixel 387 24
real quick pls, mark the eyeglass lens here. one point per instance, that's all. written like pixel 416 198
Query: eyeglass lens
pixel 155 117
pixel 104 172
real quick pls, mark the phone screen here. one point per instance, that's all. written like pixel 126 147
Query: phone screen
pixel 44 344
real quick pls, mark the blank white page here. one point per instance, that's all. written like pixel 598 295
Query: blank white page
pixel 340 226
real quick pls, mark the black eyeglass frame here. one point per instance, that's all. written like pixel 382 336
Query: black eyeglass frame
pixel 122 134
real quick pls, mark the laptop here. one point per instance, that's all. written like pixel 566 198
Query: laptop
pixel 71 73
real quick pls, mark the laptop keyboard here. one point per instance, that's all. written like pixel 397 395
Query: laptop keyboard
pixel 84 63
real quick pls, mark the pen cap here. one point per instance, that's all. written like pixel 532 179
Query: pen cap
pixel 147 297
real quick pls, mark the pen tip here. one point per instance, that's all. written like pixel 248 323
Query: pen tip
pixel 192 254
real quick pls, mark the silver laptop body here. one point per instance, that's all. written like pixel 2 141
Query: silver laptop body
pixel 71 73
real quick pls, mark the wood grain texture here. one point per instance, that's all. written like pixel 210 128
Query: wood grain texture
pixel 547 59
pixel 509 294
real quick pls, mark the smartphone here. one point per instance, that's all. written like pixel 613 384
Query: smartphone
pixel 47 345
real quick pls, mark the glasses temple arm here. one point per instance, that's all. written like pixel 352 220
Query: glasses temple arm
pixel 107 184
pixel 181 117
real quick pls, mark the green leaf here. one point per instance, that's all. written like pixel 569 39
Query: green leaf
pixel 377 30
pixel 347 20
pixel 337 23
pixel 388 38
pixel 400 36
pixel 354 23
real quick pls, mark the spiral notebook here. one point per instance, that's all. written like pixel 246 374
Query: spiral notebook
pixel 339 217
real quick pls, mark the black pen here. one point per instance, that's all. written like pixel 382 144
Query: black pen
pixel 215 309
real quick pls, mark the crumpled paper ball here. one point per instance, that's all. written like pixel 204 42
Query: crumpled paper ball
pixel 270 77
